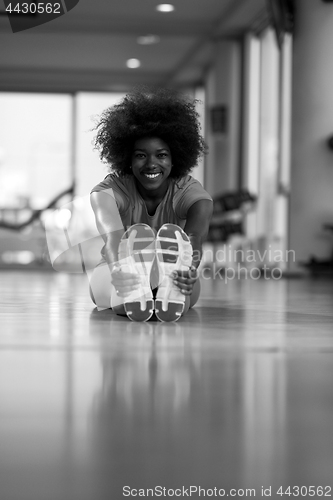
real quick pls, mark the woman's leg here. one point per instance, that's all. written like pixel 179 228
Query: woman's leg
pixel 103 293
pixel 101 289
pixel 138 239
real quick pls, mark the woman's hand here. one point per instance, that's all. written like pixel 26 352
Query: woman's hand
pixel 123 282
pixel 185 280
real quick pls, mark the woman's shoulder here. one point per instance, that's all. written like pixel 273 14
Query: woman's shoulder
pixel 188 183
pixel 187 192
pixel 119 187
pixel 113 181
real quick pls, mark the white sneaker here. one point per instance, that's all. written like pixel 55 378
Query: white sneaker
pixel 174 253
pixel 136 255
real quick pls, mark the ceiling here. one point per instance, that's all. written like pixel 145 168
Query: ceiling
pixel 87 48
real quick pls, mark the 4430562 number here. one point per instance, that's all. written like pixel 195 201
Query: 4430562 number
pixel 305 491
pixel 34 8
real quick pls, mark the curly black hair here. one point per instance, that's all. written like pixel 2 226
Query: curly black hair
pixel 147 112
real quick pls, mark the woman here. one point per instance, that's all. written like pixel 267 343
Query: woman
pixel 152 215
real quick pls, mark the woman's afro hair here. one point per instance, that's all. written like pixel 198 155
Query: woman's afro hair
pixel 146 112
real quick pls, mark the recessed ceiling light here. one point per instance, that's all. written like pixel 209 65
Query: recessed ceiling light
pixel 165 7
pixel 148 39
pixel 133 63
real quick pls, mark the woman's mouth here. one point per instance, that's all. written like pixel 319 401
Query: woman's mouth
pixel 152 176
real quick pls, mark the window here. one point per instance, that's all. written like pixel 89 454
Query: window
pixel 266 146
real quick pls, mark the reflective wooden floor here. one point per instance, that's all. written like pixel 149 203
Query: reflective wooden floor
pixel 237 395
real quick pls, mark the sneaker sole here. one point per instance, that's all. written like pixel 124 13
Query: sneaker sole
pixel 137 254
pixel 174 252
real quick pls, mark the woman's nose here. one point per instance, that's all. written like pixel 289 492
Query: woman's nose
pixel 151 162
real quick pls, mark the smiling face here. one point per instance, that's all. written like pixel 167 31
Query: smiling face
pixel 151 165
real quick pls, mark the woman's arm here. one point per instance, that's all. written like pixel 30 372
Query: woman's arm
pixel 108 223
pixel 196 227
pixel 111 229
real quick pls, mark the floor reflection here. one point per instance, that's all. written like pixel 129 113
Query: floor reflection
pixel 173 411
pixel 264 419
pixel 154 375
pixel 237 394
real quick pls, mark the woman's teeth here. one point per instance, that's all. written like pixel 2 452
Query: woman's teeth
pixel 152 176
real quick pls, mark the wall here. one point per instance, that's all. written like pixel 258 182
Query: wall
pixel 223 87
pixel 312 161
